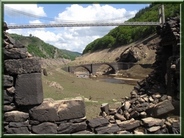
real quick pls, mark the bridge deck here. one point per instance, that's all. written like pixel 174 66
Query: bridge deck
pixel 84 25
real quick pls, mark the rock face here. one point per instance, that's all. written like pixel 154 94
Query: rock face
pixel 150 108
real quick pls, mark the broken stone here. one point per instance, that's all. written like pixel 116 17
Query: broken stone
pixel 127 115
pixel 150 121
pixel 120 117
pixel 154 128
pixel 133 94
pixel 11 90
pixel 134 114
pixel 161 108
pixel 7 80
pixel 34 122
pixel 45 128
pixel 84 132
pixel 78 120
pixel 156 95
pixel 151 99
pixel 8 98
pixel 16 116
pixel 105 108
pixel 9 107
pixel 129 124
pixel 96 122
pixel 140 131
pixel 123 132
pixel 19 124
pixel 68 128
pixel 146 99
pixel 127 105
pixel 143 114
pixel 19 130
pixel 15 53
pixel 109 129
pixel 141 100
pixel 112 111
pixel 164 97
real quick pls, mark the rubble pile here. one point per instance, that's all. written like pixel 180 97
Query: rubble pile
pixel 142 114
pixel 157 97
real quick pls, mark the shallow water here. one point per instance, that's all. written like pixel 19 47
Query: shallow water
pixel 108 78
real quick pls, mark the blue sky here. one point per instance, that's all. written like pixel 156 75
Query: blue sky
pixel 71 38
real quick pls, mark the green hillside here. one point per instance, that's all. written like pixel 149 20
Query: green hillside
pixel 39 48
pixel 123 35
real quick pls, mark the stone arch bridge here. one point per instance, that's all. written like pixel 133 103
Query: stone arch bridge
pixel 93 67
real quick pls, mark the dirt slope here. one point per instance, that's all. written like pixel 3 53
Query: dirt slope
pixel 143 50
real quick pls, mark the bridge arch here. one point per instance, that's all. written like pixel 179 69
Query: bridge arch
pixel 84 67
pixel 108 65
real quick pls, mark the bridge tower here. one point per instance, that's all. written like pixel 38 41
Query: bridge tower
pixel 161 15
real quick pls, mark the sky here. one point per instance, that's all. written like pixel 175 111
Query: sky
pixel 69 38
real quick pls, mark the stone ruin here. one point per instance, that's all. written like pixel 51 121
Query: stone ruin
pixel 153 106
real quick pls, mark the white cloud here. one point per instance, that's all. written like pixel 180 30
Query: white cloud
pixel 35 22
pixel 76 38
pixel 17 9
pixel 93 13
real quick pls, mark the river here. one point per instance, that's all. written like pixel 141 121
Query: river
pixel 108 78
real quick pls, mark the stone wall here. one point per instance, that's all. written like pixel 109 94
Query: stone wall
pixel 25 110
pixel 152 107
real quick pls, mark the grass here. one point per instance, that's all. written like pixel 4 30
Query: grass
pixel 97 92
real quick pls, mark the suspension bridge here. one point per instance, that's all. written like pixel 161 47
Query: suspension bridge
pixel 83 24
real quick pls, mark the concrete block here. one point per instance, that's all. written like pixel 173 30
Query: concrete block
pixel 28 89
pixel 22 66
pixel 59 110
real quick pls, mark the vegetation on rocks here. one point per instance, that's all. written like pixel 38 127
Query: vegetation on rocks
pixel 123 35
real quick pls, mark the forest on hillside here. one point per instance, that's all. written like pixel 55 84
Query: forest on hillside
pixel 123 35
pixel 39 48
